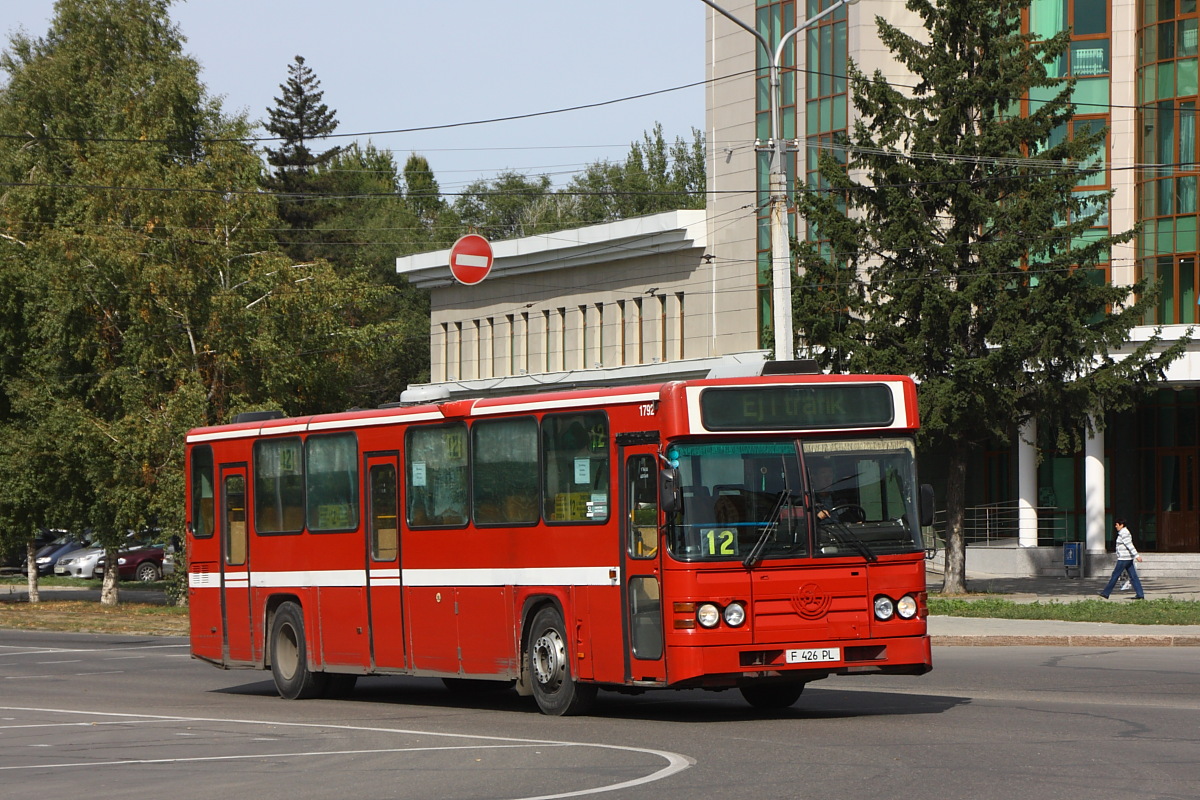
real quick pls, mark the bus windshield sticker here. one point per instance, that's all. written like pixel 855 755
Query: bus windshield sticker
pixel 418 473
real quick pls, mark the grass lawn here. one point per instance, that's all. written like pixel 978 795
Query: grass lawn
pixel 1155 611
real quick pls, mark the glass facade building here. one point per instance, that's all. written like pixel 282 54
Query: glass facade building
pixel 1135 67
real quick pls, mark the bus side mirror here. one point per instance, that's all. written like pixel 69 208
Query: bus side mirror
pixel 926 505
pixel 668 491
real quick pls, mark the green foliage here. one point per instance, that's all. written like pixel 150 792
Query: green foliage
pixel 146 294
pixel 653 178
pixel 1159 611
pixel 509 206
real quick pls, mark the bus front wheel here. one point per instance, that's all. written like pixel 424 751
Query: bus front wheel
pixel 548 652
pixel 289 656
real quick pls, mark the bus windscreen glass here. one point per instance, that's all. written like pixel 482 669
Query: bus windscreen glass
pixel 810 407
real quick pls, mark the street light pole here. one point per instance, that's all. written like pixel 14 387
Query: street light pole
pixel 781 254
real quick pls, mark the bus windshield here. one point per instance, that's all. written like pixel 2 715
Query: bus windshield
pixel 757 500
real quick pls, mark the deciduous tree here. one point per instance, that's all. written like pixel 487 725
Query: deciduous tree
pixel 149 295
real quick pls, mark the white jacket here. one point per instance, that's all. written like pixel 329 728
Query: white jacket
pixel 1125 549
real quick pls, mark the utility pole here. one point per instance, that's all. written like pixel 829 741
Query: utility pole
pixel 781 251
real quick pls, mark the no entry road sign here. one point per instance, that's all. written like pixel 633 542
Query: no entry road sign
pixel 471 259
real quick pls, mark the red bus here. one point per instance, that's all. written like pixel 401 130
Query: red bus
pixel 752 533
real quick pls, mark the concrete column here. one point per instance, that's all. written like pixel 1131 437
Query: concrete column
pixel 1027 521
pixel 1093 491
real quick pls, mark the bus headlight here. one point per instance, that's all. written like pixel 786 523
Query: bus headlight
pixel 735 614
pixel 884 608
pixel 708 615
pixel 907 607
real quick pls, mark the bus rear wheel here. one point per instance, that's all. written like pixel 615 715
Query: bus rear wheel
pixel 555 689
pixel 289 656
pixel 772 696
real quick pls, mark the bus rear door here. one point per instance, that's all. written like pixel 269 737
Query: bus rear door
pixel 642 556
pixel 237 624
pixel 383 569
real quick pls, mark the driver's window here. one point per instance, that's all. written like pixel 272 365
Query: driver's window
pixel 643 506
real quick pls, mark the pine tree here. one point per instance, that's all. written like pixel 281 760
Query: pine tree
pixel 298 118
pixel 950 244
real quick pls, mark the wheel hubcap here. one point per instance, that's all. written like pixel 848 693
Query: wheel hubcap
pixel 549 660
pixel 287 652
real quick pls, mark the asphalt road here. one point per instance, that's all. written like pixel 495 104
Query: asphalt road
pixel 133 717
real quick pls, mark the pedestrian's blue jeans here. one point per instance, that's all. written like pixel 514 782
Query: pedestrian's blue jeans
pixel 1124 566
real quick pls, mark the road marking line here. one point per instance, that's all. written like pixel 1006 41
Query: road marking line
pixel 675 761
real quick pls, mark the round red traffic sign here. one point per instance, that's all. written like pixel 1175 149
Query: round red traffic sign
pixel 471 259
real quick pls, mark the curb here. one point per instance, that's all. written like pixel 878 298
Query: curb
pixel 1067 640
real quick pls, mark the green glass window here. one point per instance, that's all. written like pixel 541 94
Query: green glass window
pixel 1089 17
pixel 1047 18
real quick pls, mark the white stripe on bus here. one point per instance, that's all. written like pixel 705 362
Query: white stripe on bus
pixel 531 576
pixel 358 422
pixel 575 402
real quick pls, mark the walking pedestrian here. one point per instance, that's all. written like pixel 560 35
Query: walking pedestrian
pixel 1127 554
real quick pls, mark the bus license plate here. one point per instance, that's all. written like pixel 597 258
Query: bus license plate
pixel 813 655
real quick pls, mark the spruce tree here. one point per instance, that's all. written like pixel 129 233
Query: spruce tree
pixel 950 244
pixel 298 118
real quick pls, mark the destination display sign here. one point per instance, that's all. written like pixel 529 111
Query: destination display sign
pixel 811 406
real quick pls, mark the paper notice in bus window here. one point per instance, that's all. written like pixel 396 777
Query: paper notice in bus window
pixel 597 507
pixel 583 470
pixel 418 476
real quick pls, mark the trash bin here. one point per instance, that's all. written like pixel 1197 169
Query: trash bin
pixel 1073 558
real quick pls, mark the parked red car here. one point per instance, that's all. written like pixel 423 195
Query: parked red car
pixel 143 563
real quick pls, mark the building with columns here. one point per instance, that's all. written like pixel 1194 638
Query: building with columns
pixel 674 294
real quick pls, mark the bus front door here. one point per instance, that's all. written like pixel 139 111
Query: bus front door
pixel 236 619
pixel 642 555
pixel 383 568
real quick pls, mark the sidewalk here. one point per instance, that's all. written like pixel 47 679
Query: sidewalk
pixel 970 631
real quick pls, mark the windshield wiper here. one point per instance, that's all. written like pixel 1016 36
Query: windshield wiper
pixel 755 555
pixel 844 536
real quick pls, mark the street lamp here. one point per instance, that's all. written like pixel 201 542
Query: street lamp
pixel 781 256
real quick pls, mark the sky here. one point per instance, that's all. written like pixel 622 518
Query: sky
pixel 397 64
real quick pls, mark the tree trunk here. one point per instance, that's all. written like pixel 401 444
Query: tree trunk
pixel 955 577
pixel 109 596
pixel 31 565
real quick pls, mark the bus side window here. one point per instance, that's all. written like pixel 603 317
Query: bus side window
pixel 574 467
pixel 436 482
pixel 203 512
pixel 385 541
pixel 235 520
pixel 504 471
pixel 279 485
pixel 642 477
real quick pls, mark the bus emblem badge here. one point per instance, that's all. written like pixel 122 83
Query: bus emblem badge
pixel 811 602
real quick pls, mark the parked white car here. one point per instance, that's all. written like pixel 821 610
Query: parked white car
pixel 79 563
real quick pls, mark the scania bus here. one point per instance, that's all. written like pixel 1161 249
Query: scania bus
pixel 751 533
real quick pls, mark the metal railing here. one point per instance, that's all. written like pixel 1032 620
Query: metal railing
pixel 1000 524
